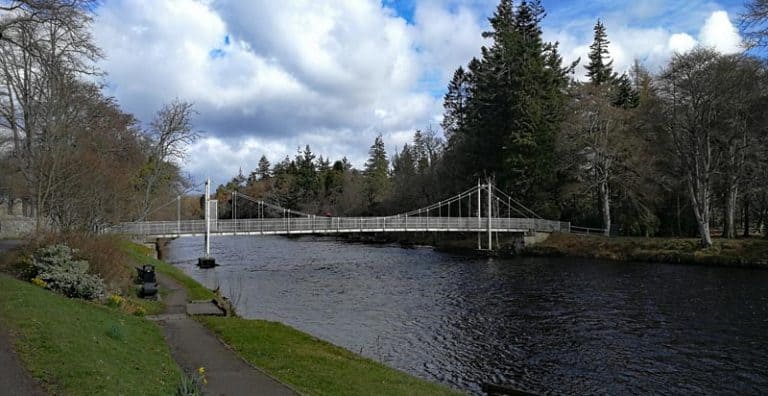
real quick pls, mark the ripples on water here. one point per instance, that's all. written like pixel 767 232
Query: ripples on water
pixel 550 326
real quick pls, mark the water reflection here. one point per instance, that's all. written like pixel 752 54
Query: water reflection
pixel 551 326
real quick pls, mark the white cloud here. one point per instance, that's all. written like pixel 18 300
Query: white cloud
pixel 268 77
pixel 653 46
pixel 681 42
pixel 719 32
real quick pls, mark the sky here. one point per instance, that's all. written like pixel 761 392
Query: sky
pixel 268 77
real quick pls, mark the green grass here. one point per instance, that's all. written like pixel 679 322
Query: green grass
pixel 313 366
pixel 725 252
pixel 195 291
pixel 81 348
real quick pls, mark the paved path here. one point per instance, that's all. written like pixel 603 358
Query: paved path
pixel 14 378
pixel 192 346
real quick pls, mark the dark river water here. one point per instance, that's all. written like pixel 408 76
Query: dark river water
pixel 545 325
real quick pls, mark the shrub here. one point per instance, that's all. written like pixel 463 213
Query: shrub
pixel 115 301
pixel 56 266
pixel 103 253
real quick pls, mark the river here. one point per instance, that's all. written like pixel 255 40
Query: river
pixel 544 325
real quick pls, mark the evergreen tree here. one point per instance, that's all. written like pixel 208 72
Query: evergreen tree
pixel 455 103
pixel 514 108
pixel 626 96
pixel 598 70
pixel 263 170
pixel 306 173
pixel 376 174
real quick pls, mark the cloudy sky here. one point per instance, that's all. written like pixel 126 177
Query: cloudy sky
pixel 269 76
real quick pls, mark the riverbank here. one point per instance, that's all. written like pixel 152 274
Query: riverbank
pixel 744 253
pixel 307 364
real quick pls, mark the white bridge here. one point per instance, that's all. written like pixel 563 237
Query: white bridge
pixel 338 225
pixel 482 209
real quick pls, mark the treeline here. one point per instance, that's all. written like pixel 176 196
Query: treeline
pixel 68 152
pixel 676 153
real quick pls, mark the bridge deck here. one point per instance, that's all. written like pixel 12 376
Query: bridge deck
pixel 336 225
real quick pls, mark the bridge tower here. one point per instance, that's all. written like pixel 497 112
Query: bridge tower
pixel 207 261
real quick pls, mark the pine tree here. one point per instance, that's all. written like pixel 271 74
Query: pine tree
pixel 515 105
pixel 625 96
pixel 455 103
pixel 263 170
pixel 376 174
pixel 598 70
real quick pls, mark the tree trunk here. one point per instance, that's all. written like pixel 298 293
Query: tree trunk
pixel 699 191
pixel 746 216
pixel 606 207
pixel 729 230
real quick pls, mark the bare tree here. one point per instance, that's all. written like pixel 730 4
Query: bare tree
pixel 754 22
pixel 692 111
pixel 596 144
pixel 169 134
pixel 741 127
pixel 45 44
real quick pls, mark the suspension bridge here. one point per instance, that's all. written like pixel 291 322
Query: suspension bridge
pixel 481 209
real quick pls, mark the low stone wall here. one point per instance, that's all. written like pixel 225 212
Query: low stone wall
pixel 13 227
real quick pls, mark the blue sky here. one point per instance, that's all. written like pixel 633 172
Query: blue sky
pixel 267 77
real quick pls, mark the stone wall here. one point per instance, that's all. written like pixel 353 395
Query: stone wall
pixel 14 227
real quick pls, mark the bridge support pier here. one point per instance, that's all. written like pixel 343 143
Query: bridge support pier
pixel 207 261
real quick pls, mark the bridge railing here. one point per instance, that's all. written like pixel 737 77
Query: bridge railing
pixel 309 225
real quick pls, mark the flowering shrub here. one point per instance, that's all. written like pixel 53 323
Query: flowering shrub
pixel 39 282
pixel 56 266
pixel 115 300
pixel 139 311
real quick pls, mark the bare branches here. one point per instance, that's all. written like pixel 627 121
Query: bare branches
pixel 754 22
pixel 171 131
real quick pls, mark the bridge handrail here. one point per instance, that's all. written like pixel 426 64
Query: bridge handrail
pixel 341 224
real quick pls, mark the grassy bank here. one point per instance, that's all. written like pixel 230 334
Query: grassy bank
pixel 140 255
pixel 82 348
pixel 310 365
pixel 724 252
pixel 314 366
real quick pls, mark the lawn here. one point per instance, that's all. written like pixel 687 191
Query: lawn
pixel 139 254
pixel 313 366
pixel 82 348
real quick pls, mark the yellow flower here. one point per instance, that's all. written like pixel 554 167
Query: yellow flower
pixel 201 370
pixel 39 282
pixel 116 300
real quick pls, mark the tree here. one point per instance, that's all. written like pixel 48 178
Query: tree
pixel 263 172
pixel 376 175
pixel 691 112
pixel 741 127
pixel 169 134
pixel 598 70
pixel 597 143
pixel 44 46
pixel 455 103
pixel 514 108
pixel 754 22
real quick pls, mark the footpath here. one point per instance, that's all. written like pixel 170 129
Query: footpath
pixel 193 346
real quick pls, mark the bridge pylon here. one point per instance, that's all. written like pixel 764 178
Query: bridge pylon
pixel 207 261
